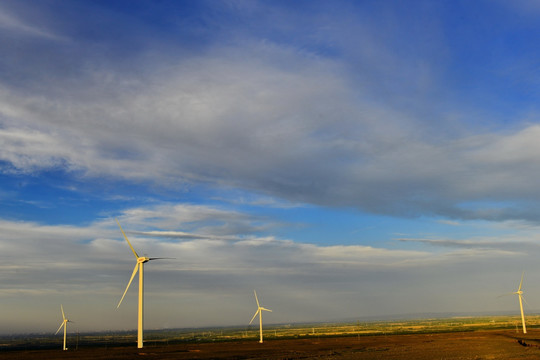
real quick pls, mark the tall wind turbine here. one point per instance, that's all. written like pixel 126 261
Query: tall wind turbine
pixel 64 324
pixel 139 266
pixel 259 312
pixel 519 293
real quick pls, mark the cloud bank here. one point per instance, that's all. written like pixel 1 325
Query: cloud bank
pixel 306 135
pixel 91 265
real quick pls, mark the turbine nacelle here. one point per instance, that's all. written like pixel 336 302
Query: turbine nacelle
pixel 143 259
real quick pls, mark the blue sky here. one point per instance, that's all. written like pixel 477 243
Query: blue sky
pixel 345 159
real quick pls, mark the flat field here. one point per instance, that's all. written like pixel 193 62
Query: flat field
pixel 481 344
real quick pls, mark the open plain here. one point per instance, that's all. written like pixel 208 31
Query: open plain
pixel 484 344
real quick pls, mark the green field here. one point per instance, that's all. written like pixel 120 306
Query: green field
pixel 283 331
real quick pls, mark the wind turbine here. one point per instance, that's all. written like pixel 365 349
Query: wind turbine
pixel 64 324
pixel 519 293
pixel 259 312
pixel 139 266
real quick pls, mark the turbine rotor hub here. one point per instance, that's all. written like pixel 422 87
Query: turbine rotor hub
pixel 143 259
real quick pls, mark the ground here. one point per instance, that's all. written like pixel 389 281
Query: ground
pixel 486 345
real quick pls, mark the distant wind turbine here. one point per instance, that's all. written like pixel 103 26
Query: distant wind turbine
pixel 519 293
pixel 64 324
pixel 139 266
pixel 259 311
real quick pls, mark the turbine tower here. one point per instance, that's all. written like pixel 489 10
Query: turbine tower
pixel 519 293
pixel 139 266
pixel 259 312
pixel 64 324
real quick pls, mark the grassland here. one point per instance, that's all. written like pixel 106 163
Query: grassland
pixel 271 332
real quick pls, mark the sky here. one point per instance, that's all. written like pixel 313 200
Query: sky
pixel 346 159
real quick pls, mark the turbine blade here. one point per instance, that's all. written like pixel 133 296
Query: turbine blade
pixel 256 299
pixel 63 315
pixel 266 309
pixel 525 301
pixel 129 283
pixel 160 258
pixel 254 316
pixel 521 282
pixel 125 237
pixel 62 324
pixel 512 293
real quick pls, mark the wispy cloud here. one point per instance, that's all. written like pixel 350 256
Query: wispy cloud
pixel 9 22
pixel 449 222
pixel 183 235
pixel 515 247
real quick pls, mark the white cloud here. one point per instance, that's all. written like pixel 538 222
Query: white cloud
pixel 267 118
pixel 256 126
pixel 29 150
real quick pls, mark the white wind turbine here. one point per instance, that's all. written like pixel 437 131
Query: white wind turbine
pixel 259 312
pixel 64 324
pixel 139 266
pixel 519 293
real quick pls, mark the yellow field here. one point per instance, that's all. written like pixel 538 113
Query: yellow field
pixel 351 329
